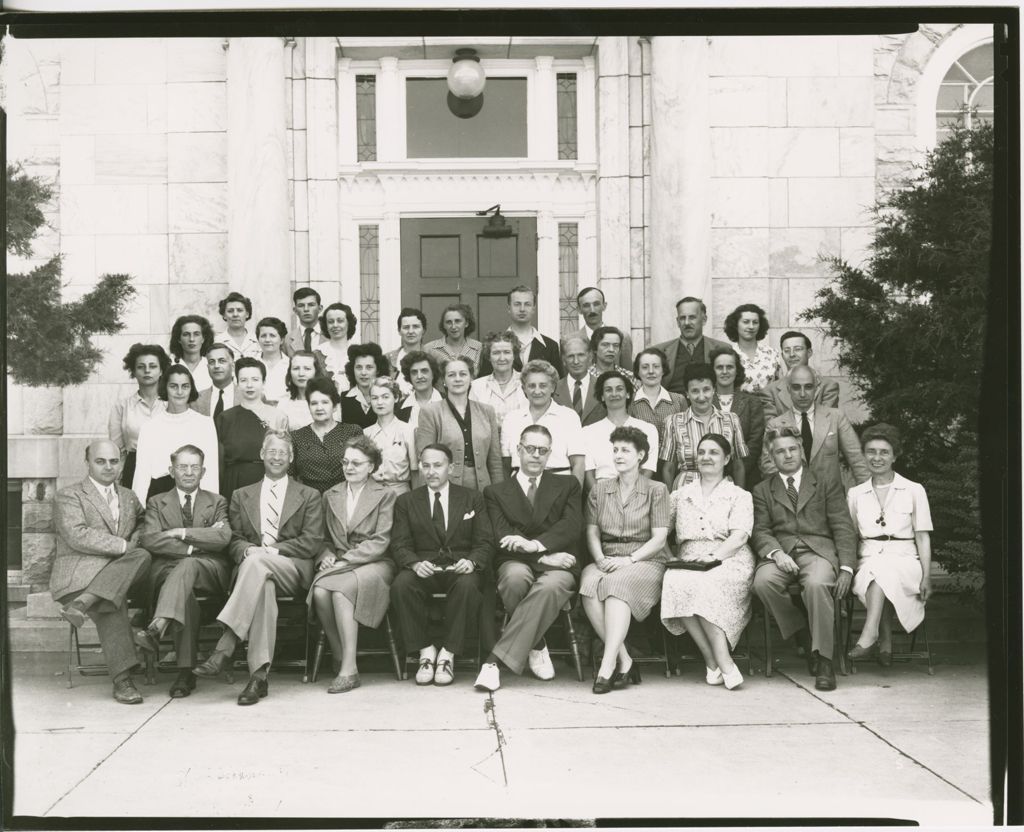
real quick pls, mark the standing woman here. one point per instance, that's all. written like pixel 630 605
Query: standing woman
pixel 467 427
pixel 412 324
pixel 894 523
pixel 236 310
pixel 191 337
pixel 457 324
pixel 319 445
pixel 241 428
pixel 354 572
pixel 730 398
pixel 614 389
pixel 145 364
pixel 746 327
pixel 395 439
pixel 271 332
pixel 652 402
pixel 366 363
pixel 338 325
pixel 502 389
pixel 421 371
pixel 168 430
pixel 303 367
pixel 627 525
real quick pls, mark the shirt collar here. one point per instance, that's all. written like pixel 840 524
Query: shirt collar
pixel 663 396
pixel 797 478
pixel 181 496
pixel 524 479
pixel 103 489
pixel 267 482
pixel 810 415
pixel 443 491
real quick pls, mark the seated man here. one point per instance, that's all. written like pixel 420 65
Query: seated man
pixel 537 520
pixel 276 530
pixel 186 531
pixel 803 532
pixel 98 559
pixel 442 542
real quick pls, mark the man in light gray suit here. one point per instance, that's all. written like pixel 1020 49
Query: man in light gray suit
pixel 98 560
pixel 796 352
pixel 576 390
pixel 691 347
pixel 213 401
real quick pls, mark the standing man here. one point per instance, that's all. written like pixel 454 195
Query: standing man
pixel 576 390
pixel 442 542
pixel 412 323
pixel 522 308
pixel 98 560
pixel 691 347
pixel 216 399
pixel 186 530
pixel 592 307
pixel 606 347
pixel 803 533
pixel 307 335
pixel 276 531
pixel 796 352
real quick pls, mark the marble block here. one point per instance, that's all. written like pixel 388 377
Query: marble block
pixel 196 108
pixel 110 108
pixel 730 292
pixel 322 128
pixel 795 252
pixel 855 245
pixel 15 407
pixel 197 299
pixel 197 157
pixel 78 61
pixel 780 56
pixel 110 368
pixel 857 55
pixel 738 102
pixel 198 258
pixel 157 209
pixel 38 549
pixel 894 119
pixel 803 151
pixel 77 160
pixel 831 102
pixel 31 456
pixel 156 108
pixel 87 406
pixel 197 207
pixel 739 252
pixel 143 256
pixel 778 202
pixel 42 409
pixel 739 203
pixel 739 151
pixel 103 209
pixel 856 151
pixel 613 234
pixel 195 59
pixel 613 125
pixel 802 291
pixel 131 61
pixel 823 202
pixel 71 455
pixel 79 264
pixel 133 158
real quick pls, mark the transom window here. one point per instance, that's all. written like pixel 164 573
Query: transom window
pixel 966 92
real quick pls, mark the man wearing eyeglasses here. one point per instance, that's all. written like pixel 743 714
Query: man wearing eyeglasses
pixel 537 520
pixel 186 531
pixel 276 531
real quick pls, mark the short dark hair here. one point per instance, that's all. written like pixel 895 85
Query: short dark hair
pixel 246 362
pixel 305 292
pixel 273 323
pixel 367 350
pixel 885 432
pixel 719 440
pixel 698 372
pixel 462 359
pixel 235 297
pixel 506 337
pixel 794 334
pixel 543 431
pixel 318 371
pixel 691 299
pixel 410 312
pixel 741 374
pixel 635 437
pixel 584 290
pixel 176 370
pixel 367 448
pixel 437 446
pixel 733 318
pixel 651 351
pixel 136 351
pixel 608 375
pixel 323 385
pixel 464 310
pixel 179 324
pixel 415 357
pixel 522 287
pixel 344 307
pixel 188 449
pixel 601 332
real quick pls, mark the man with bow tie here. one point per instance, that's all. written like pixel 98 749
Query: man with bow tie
pixel 441 541
pixel 98 560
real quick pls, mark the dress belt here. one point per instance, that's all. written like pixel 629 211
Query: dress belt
pixel 888 537
pixel 620 540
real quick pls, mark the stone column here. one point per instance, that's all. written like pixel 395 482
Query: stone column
pixel 680 178
pixel 543 121
pixel 258 241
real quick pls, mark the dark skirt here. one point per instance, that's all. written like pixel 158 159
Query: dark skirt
pixel 238 475
pixel 128 469
pixel 160 485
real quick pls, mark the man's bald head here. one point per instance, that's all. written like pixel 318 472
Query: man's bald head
pixel 802 383
pixel 103 459
pixel 103 447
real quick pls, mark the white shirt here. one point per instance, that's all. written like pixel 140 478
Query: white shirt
pixel 165 433
pixel 566 434
pixel 200 375
pixel 181 497
pixel 797 477
pixel 351 499
pixel 599 446
pixel 414 406
pixel 109 495
pixel 271 536
pixel 526 344
pixel 798 418
pixel 443 491
pixel 229 397
pixel 487 390
pixel 524 480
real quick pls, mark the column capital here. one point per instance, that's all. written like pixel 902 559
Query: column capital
pixel 544 63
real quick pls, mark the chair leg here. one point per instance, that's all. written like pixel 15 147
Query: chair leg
pixel 927 647
pixel 72 642
pixel 573 645
pixel 664 650
pixel 838 636
pixel 769 664
pixel 318 657
pixel 151 662
pixel 399 671
pixel 750 652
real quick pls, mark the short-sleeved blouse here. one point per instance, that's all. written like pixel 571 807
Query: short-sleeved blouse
pixel 626 526
pixel 395 443
pixel 127 418
pixel 334 362
pixel 761 370
pixel 318 462
pixel 596 439
pixel 485 389
pixel 700 521
pixel 905 506
pixel 683 431
pixel 275 388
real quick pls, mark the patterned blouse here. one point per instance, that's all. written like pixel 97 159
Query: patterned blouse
pixel 318 462
pixel 667 404
pixel 683 431
pixel 761 370
pixel 442 352
pixel 700 525
pixel 626 526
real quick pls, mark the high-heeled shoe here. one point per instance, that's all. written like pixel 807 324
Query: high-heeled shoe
pixel 626 677
pixel 885 658
pixel 861 652
pixel 602 684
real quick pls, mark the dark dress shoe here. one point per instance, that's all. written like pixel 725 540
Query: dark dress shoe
pixel 861 652
pixel 254 690
pixel 183 685
pixel 126 693
pixel 885 658
pixel 212 667
pixel 803 642
pixel 623 678
pixel 602 684
pixel 147 640
pixel 826 678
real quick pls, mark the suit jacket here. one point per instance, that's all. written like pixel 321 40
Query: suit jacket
pixel 366 537
pixel 209 533
pixel 294 343
pixel 821 519
pixel 300 530
pixel 748 408
pixel 555 518
pixel 87 536
pixel 625 354
pixel 437 424
pixel 546 349
pixel 775 397
pixel 205 403
pixel 593 410
pixel 468 534
pixel 671 350
pixel 833 435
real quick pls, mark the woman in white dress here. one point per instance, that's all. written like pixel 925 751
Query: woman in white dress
pixel 894 569
pixel 271 332
pixel 615 391
pixel 338 324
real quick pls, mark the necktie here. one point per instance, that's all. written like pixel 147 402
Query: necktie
pixel 531 492
pixel 438 516
pixel 219 407
pixel 307 340
pixel 791 491
pixel 271 519
pixel 805 433
pixel 186 511
pixel 577 398
pixel 112 503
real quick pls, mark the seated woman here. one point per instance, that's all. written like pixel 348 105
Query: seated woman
pixel 271 332
pixel 501 388
pixel 395 439
pixel 627 525
pixel 303 367
pixel 421 371
pixel 366 363
pixel 894 569
pixel 731 398
pixel 354 573
pixel 713 520
pixel 318 446
pixel 145 364
pixel 615 391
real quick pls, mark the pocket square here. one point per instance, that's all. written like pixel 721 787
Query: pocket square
pixel 469 516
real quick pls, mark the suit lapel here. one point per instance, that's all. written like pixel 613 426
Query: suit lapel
pixel 780 495
pixel 291 503
pixel 456 505
pixel 368 499
pixel 590 403
pixel 820 430
pixel 544 496
pixel 250 501
pixel 174 508
pixel 808 485
pixel 94 497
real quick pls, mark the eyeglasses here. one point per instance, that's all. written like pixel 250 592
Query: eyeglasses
pixel 353 463
pixel 275 454
pixel 535 450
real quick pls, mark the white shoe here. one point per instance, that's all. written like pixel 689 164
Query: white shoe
pixel 445 673
pixel 425 675
pixel 714 677
pixel 732 679
pixel 540 664
pixel 489 677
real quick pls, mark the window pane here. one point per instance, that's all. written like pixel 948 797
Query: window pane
pixel 984 99
pixel 433 131
pixel 366 118
pixel 979 62
pixel 369 283
pixel 567 116
pixel 568 277
pixel 951 97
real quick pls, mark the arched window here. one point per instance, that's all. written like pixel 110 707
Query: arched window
pixel 967 84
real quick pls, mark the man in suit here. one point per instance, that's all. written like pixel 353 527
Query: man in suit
pixel 691 347
pixel 825 432
pixel 537 520
pixel 186 531
pixel 592 306
pixel 98 560
pixel 307 335
pixel 441 541
pixel 803 532
pixel 576 390
pixel 522 307
pixel 216 399
pixel 796 352
pixel 276 530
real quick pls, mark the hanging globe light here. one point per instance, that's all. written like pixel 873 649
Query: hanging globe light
pixel 466 77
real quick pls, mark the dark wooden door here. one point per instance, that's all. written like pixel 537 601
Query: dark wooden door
pixel 448 260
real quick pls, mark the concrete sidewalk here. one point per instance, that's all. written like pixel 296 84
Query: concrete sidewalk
pixel 891 743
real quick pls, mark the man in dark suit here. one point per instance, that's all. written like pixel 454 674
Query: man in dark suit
pixel 522 307
pixel 213 401
pixel 306 336
pixel 441 541
pixel 537 520
pixel 576 390
pixel 803 532
pixel 276 530
pixel 186 531
pixel 691 347
pixel 98 560
pixel 796 352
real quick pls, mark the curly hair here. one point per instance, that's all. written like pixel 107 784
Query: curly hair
pixel 323 385
pixel 885 432
pixel 235 297
pixel 371 350
pixel 415 357
pixel 389 385
pixel 204 325
pixel 741 374
pixel 607 376
pixel 367 448
pixel 601 332
pixel 344 307
pixel 136 351
pixel 538 366
pixel 635 437
pixel 318 371
pixel 466 313
pixel 176 370
pixel 732 321
pixel 462 359
pixel 506 337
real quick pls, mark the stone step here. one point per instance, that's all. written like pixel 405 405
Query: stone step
pixel 18 594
